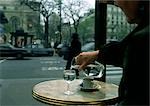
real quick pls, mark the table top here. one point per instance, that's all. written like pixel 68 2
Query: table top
pixel 52 92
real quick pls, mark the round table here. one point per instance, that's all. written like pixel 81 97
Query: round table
pixel 52 92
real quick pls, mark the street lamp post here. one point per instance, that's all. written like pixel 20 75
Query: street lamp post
pixel 60 2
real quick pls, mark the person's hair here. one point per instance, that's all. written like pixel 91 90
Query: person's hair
pixel 75 36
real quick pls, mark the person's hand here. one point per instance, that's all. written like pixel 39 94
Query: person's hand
pixel 85 58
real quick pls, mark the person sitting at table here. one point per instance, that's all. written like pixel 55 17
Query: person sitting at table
pixel 132 54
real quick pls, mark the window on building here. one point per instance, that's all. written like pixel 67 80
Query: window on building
pixel 4 7
pixel 29 23
pixel 15 23
pixel 117 24
pixel 15 8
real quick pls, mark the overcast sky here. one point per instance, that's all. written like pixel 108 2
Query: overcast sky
pixel 91 2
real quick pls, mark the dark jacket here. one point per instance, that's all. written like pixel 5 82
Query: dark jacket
pixel 75 47
pixel 132 54
pixel 74 50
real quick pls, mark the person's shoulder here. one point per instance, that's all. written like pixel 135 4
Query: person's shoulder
pixel 141 36
pixel 142 33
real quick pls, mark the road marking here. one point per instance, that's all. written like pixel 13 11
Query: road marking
pixel 110 72
pixel 113 68
pixel 1 61
pixel 50 62
pixel 52 68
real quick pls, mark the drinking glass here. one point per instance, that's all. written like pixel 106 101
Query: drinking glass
pixel 69 75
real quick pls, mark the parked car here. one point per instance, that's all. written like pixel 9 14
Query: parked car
pixel 63 50
pixel 8 50
pixel 39 50
pixel 88 47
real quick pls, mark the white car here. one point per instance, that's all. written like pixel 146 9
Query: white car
pixel 88 47
pixel 39 50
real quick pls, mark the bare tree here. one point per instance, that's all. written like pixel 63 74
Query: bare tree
pixel 46 8
pixel 74 10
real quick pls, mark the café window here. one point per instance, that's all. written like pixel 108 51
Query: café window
pixel 15 23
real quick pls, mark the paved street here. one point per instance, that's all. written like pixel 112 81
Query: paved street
pixel 19 76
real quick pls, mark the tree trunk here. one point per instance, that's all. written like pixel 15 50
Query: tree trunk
pixel 46 33
pixel 76 28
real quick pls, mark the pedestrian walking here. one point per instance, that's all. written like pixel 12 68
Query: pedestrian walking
pixel 74 50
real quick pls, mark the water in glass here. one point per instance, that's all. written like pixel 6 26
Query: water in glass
pixel 69 75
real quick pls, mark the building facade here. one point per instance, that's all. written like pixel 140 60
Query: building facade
pixel 117 25
pixel 20 17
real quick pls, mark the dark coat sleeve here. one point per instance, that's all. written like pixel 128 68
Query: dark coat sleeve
pixel 136 69
pixel 111 53
pixel 133 55
pixel 75 48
